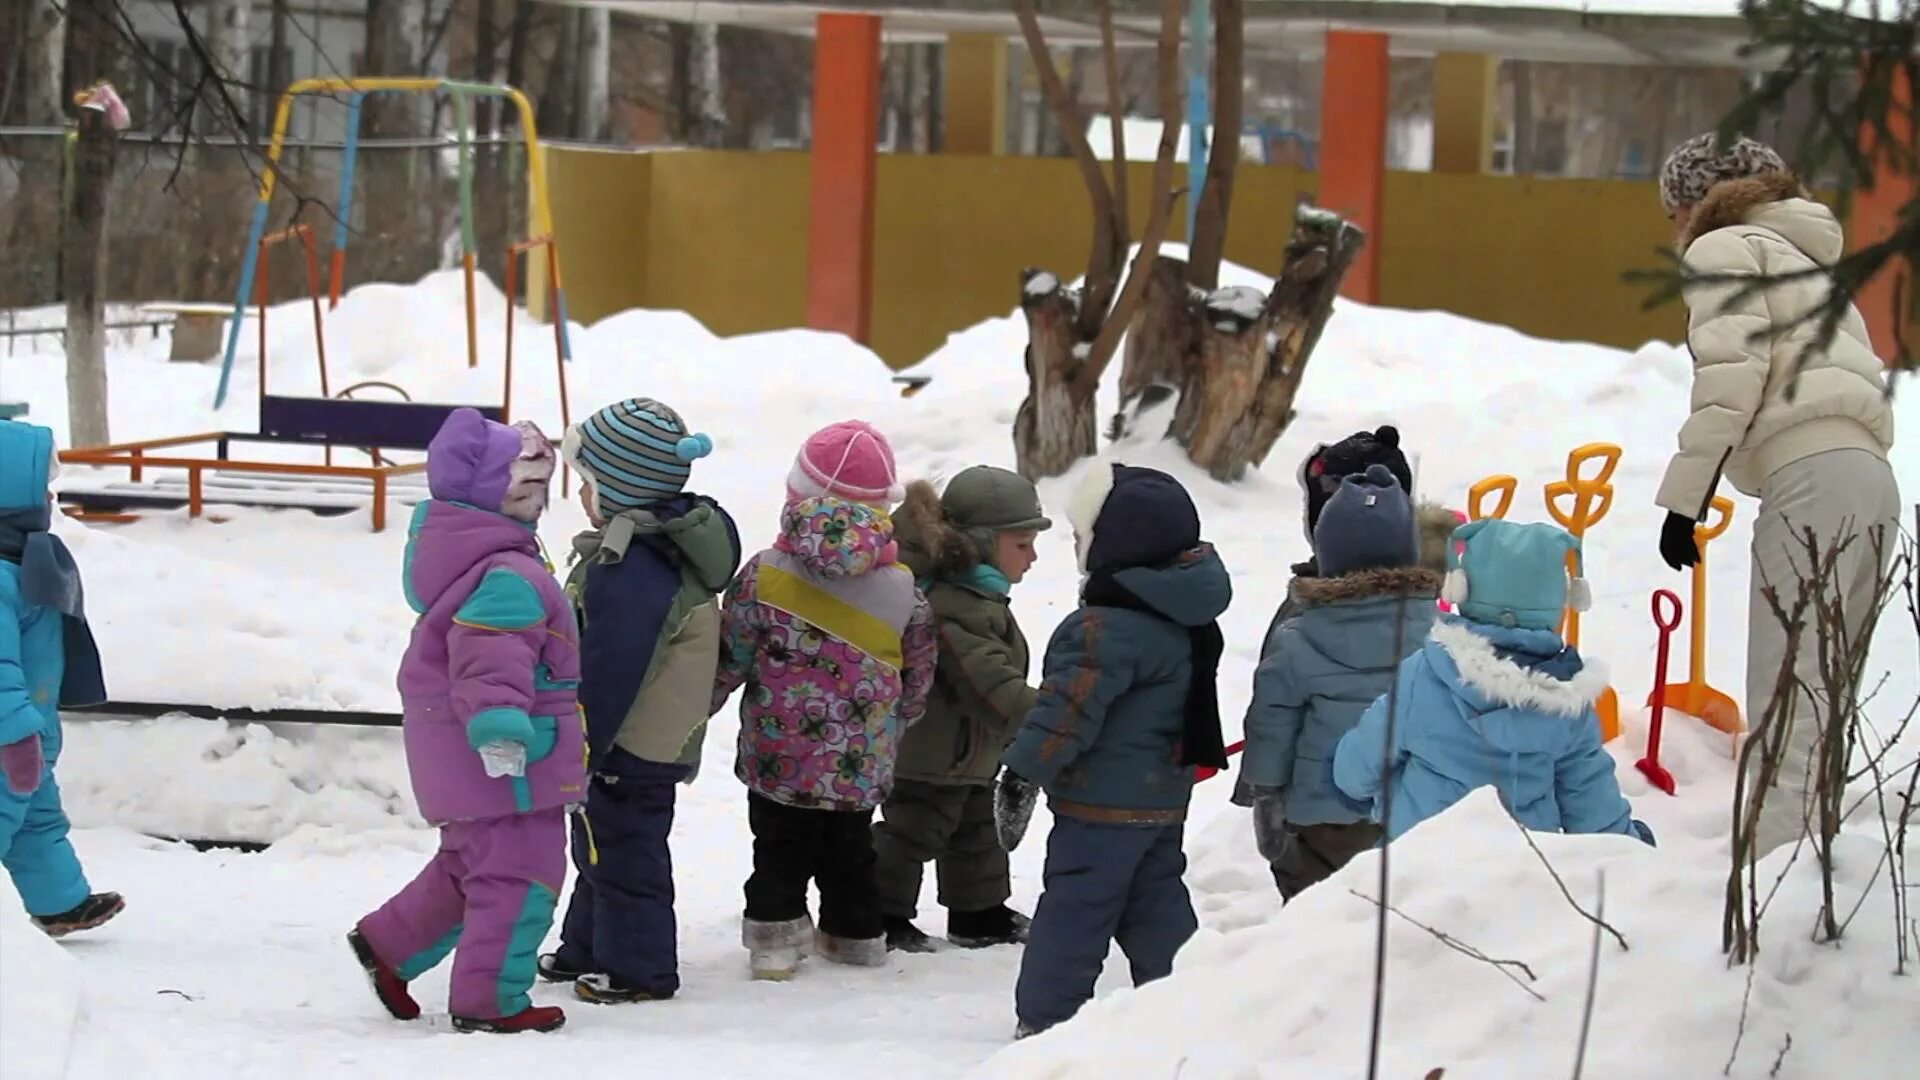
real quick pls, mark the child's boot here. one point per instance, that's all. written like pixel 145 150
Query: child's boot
pixel 388 986
pixel 531 1018
pixel 775 948
pixel 85 915
pixel 552 969
pixel 903 936
pixel 997 925
pixel 854 952
pixel 609 990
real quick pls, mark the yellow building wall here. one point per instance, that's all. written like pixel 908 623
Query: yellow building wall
pixel 723 235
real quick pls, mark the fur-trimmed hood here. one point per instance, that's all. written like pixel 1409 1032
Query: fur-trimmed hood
pixel 1411 582
pixel 1434 524
pixel 1488 680
pixel 930 545
pixel 1777 202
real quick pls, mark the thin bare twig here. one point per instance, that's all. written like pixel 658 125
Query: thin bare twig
pixel 1571 902
pixel 1504 967
pixel 1593 975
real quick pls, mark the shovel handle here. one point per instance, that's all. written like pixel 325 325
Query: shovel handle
pixel 1719 516
pixel 1503 485
pixel 1666 611
pixel 1607 454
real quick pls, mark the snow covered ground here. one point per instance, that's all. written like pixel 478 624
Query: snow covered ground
pixel 230 964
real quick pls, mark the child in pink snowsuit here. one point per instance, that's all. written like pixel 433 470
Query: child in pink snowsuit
pixel 494 739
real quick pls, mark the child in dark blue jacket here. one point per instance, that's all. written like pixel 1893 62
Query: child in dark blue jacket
pixel 645 585
pixel 1127 707
pixel 47 659
pixel 1493 698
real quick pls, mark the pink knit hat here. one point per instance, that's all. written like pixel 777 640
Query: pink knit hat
pixel 849 460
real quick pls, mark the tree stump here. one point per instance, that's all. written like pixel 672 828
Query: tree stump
pixel 1055 426
pixel 1160 337
pixel 1237 397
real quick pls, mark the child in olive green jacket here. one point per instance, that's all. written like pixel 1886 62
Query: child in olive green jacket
pixel 968 548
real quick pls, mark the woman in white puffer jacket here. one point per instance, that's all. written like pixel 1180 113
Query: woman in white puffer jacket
pixel 1811 444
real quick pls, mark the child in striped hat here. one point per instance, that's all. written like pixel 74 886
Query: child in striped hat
pixel 645 584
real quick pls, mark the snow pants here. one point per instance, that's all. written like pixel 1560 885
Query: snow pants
pixel 488 897
pixel 793 845
pixel 35 849
pixel 1838 494
pixel 620 920
pixel 1314 853
pixel 1103 884
pixel 950 825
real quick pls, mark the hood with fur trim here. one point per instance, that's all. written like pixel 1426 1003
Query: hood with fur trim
pixel 930 545
pixel 1777 202
pixel 1413 582
pixel 1489 680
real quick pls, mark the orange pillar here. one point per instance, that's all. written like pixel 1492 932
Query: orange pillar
pixel 1353 147
pixel 846 119
pixel 1876 213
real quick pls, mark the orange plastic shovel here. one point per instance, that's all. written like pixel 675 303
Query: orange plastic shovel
pixel 1667 623
pixel 1502 484
pixel 1592 497
pixel 1694 697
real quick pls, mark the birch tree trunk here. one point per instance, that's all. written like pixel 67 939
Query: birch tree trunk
pixel 594 59
pixel 706 102
pixel 85 242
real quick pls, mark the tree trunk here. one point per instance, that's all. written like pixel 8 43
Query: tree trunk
pixel 1055 425
pixel 1159 339
pixel 280 61
pixel 393 245
pixel 1521 146
pixel 705 92
pixel 230 46
pixel 594 61
pixel 32 233
pixel 46 48
pixel 1216 198
pixel 936 90
pixel 517 32
pixel 85 241
pixel 1237 398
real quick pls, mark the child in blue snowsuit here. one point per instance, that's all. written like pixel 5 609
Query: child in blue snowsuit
pixel 47 659
pixel 1127 707
pixel 1494 698
pixel 645 585
pixel 1365 609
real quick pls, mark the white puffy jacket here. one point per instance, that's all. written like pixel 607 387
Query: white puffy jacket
pixel 1743 421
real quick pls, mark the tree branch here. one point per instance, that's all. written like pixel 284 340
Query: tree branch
pixel 1504 967
pixel 1571 902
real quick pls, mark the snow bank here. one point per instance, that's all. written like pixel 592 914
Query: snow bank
pixel 39 997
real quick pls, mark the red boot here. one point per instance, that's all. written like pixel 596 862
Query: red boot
pixel 388 986
pixel 531 1018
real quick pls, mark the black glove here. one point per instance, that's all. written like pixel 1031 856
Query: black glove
pixel 1014 798
pixel 1270 821
pixel 1677 545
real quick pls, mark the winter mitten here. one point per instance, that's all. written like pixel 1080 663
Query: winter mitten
pixel 22 762
pixel 1358 806
pixel 1013 801
pixel 1243 792
pixel 500 725
pixel 1677 545
pixel 1645 834
pixel 1270 821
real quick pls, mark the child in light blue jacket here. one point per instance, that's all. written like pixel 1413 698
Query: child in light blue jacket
pixel 1494 697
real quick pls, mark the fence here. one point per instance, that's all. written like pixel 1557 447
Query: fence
pixel 178 211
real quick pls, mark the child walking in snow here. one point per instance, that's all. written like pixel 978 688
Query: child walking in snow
pixel 1493 697
pixel 1127 707
pixel 1368 607
pixel 494 739
pixel 47 660
pixel 836 648
pixel 644 585
pixel 968 548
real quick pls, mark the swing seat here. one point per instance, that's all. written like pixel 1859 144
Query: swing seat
pixel 387 425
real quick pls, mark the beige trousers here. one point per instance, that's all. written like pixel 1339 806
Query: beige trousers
pixel 1836 494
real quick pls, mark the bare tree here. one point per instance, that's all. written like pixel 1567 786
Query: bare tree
pixel 1216 198
pixel 592 62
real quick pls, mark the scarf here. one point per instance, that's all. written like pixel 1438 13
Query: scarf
pixel 50 578
pixel 610 544
pixel 1201 742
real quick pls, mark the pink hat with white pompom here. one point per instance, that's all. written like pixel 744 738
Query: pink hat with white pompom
pixel 849 460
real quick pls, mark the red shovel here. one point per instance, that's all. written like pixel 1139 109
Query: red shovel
pixel 1650 765
pixel 1207 772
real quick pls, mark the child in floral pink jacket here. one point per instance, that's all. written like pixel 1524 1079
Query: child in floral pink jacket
pixel 836 648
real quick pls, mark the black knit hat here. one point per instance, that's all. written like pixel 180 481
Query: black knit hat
pixel 1321 473
pixel 1144 519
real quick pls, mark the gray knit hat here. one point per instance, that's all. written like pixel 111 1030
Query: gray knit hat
pixel 1696 165
pixel 633 453
pixel 1367 525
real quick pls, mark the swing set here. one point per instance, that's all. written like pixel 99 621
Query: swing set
pixel 331 420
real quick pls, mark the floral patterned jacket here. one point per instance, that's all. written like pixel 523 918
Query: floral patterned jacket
pixel 836 648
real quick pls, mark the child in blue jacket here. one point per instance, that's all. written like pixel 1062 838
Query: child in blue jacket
pixel 1494 697
pixel 646 588
pixel 1127 707
pixel 47 659
pixel 1366 609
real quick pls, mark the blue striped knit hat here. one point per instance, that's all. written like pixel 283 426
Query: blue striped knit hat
pixel 633 453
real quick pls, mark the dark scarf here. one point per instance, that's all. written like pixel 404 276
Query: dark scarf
pixel 50 578
pixel 1201 742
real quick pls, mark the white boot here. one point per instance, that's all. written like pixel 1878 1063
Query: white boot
pixel 857 952
pixel 775 948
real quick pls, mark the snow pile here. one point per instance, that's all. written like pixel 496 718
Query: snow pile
pixel 39 998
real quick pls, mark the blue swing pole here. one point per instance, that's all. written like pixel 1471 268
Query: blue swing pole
pixel 1198 107
pixel 343 213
